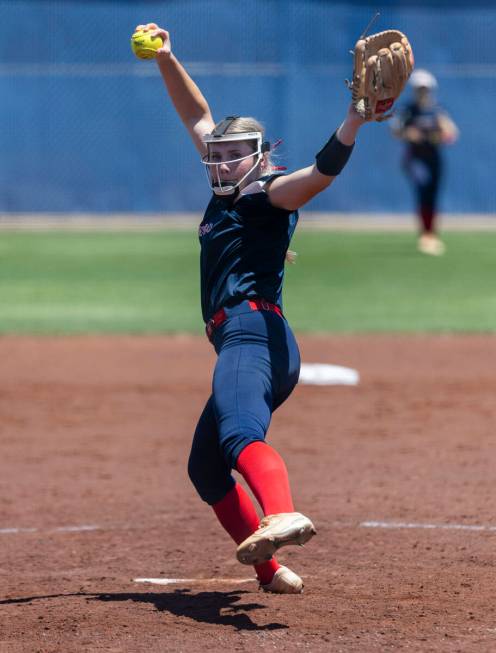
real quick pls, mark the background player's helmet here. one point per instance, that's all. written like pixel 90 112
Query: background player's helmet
pixel 421 78
pixel 220 135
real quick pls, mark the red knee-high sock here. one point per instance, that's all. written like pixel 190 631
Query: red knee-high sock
pixel 266 474
pixel 238 516
pixel 427 217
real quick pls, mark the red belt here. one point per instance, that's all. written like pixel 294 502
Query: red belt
pixel 221 316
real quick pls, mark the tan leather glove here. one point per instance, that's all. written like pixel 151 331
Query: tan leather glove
pixel 383 63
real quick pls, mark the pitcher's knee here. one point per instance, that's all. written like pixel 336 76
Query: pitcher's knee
pixel 210 486
pixel 232 450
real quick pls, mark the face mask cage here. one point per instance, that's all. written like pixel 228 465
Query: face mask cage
pixel 228 186
pixel 212 168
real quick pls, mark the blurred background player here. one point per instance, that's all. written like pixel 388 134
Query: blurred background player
pixel 425 127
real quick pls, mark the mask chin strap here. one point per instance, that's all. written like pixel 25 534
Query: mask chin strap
pixel 219 135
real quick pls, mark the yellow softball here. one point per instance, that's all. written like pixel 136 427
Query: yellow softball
pixel 144 45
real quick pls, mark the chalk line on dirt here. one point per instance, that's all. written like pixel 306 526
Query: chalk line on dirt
pixel 390 525
pixel 59 529
pixel 449 527
pixel 173 581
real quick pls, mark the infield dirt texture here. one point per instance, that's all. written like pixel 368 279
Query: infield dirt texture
pixel 397 474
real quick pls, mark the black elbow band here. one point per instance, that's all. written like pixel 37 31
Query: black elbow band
pixel 333 157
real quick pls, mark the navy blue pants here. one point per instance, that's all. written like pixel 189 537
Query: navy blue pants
pixel 257 368
pixel 425 175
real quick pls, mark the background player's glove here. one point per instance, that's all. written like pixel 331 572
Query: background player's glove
pixel 383 63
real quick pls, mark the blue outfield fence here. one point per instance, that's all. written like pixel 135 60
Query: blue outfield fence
pixel 86 127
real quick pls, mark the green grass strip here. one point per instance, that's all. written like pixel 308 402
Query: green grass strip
pixel 147 282
pixel 366 282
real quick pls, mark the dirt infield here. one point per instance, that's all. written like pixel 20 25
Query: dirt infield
pixel 397 474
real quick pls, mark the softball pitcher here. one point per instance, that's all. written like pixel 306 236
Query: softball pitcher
pixel 244 238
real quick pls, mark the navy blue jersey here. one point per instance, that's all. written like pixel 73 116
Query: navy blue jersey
pixel 243 249
pixel 426 120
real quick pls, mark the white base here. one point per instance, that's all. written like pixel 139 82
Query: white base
pixel 320 374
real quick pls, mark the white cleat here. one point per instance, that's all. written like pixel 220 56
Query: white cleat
pixel 431 245
pixel 275 531
pixel 285 581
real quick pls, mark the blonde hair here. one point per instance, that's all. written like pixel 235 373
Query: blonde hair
pixel 245 124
